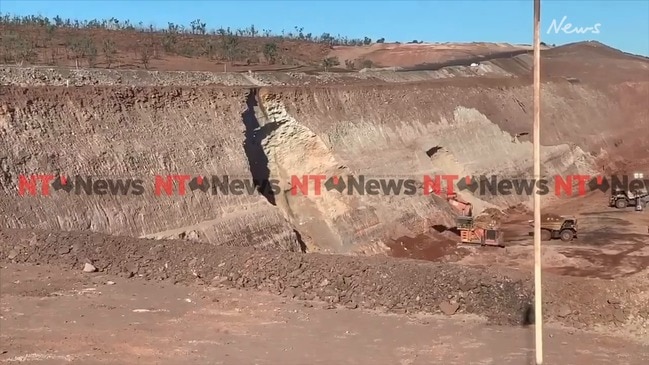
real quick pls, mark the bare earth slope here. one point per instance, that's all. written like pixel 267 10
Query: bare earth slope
pixel 408 55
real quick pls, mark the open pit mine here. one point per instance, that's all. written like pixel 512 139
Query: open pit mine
pixel 398 251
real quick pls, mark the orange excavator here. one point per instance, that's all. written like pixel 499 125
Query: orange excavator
pixel 472 232
pixel 464 207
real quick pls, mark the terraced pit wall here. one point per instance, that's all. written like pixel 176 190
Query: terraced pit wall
pixel 386 130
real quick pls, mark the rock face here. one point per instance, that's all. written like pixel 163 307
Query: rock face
pixel 385 130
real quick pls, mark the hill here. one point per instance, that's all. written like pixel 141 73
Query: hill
pixel 115 44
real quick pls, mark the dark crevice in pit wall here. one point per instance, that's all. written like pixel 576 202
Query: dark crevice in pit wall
pixel 300 241
pixel 257 159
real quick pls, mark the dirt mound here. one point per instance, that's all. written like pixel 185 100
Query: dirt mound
pixel 442 248
pixel 592 49
pixel 489 217
pixel 377 282
pixel 578 62
pixel 366 282
pixel 516 210
pixel 408 55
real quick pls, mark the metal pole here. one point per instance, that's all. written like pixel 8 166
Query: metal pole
pixel 538 312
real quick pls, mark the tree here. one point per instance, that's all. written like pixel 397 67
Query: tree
pixel 91 54
pixel 253 31
pixel 367 64
pixel 17 49
pixel 209 48
pixel 51 29
pixel 327 38
pixel 197 27
pixel 173 40
pixel 26 52
pixel 83 48
pixel 145 55
pixel 230 47
pixel 270 52
pixel 109 51
pixel 330 62
pixel 169 42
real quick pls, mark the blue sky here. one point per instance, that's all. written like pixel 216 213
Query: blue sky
pixel 623 24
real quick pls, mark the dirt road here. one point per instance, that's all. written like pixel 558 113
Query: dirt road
pixel 612 243
pixel 55 316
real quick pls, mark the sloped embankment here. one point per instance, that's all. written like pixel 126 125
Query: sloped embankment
pixel 355 282
pixel 382 131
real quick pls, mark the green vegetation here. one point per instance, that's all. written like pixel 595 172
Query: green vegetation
pixel 330 62
pixel 25 38
pixel 196 27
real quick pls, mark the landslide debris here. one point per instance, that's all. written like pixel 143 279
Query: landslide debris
pixel 365 282
pixel 378 282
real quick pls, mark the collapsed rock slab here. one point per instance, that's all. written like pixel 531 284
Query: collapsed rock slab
pixel 89 268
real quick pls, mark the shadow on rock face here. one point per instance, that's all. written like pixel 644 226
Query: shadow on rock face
pixel 257 159
pixel 528 316
pixel 440 228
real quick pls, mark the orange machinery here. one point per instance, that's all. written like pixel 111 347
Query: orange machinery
pixel 466 225
pixel 464 207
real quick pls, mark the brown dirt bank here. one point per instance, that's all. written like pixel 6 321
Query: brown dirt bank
pixel 367 282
